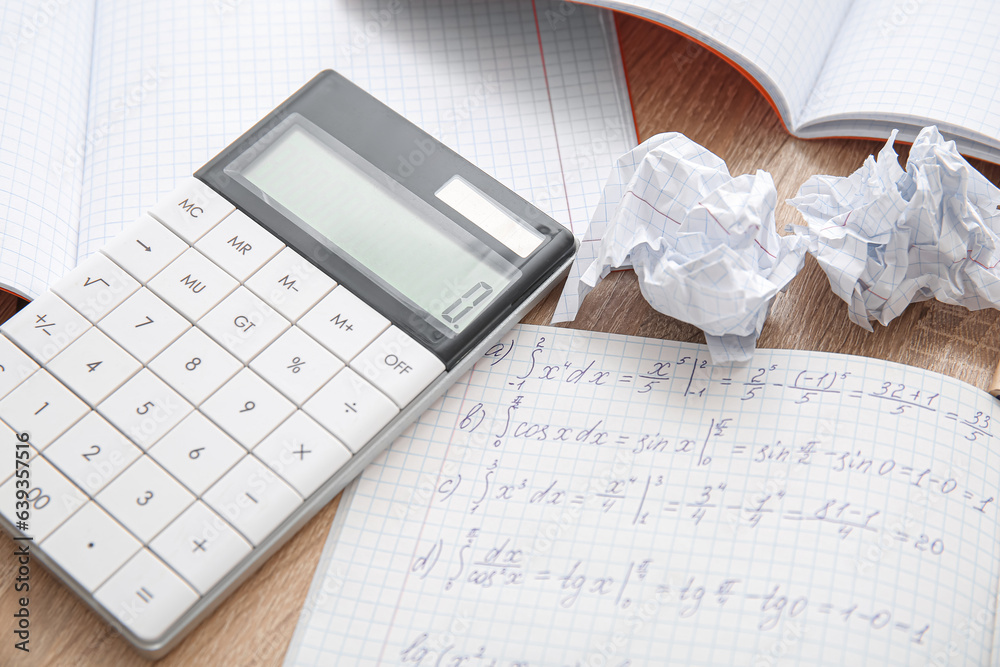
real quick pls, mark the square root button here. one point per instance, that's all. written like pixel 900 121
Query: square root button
pixel 398 365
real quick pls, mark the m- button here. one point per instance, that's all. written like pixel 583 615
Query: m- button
pixel 398 365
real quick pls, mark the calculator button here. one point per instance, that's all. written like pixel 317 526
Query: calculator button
pixel 145 498
pixel 243 324
pixel 92 453
pixel 43 408
pixel 290 284
pixel 95 287
pixel 343 323
pixel 146 596
pixel 197 452
pixel 296 365
pixel 144 247
pixel 45 327
pixel 239 245
pixel 200 546
pixel 195 365
pixel 143 325
pixel 192 284
pixel 303 453
pixel 399 366
pixel 247 408
pixel 90 546
pixel 253 499
pixel 94 366
pixel 351 409
pixel 191 209
pixel 51 499
pixel 144 408
pixel 15 366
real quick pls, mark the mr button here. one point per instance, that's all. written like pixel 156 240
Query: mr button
pixel 397 365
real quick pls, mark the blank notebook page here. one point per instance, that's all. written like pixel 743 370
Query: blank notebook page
pixel 582 498
pixel 532 93
pixel 923 59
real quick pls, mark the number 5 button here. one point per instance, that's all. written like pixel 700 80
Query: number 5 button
pixel 398 365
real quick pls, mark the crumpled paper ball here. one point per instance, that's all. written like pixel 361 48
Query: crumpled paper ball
pixel 702 243
pixel 888 237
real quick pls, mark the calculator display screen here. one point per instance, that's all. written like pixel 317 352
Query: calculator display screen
pixel 426 258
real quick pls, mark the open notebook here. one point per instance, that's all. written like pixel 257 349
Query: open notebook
pixel 107 103
pixel 590 499
pixel 857 67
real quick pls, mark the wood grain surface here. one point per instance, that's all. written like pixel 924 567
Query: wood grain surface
pixel 677 86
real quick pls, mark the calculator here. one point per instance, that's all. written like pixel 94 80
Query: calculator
pixel 181 403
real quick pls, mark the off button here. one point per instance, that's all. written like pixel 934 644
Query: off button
pixel 398 365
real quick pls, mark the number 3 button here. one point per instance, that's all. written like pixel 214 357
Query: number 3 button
pixel 145 498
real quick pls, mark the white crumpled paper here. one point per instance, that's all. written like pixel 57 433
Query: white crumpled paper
pixel 702 243
pixel 888 237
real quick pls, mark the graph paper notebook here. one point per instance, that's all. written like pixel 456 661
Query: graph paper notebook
pixel 583 498
pixel 108 103
pixel 856 68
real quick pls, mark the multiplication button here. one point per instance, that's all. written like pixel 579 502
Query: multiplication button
pixel 45 327
pixel 351 409
pixel 146 596
pixel 192 209
pixel 398 365
pixel 343 323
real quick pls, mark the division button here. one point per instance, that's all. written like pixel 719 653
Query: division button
pixel 351 409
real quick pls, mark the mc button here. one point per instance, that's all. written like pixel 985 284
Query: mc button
pixel 399 366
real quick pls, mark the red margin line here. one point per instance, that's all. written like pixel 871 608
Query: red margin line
pixel 555 130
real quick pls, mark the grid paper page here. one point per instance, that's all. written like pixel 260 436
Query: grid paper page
pixel 530 94
pixel 782 45
pixel 583 498
pixel 898 61
pixel 44 73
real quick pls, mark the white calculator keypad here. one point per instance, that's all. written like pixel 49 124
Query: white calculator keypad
pixel 239 245
pixel 290 284
pixel 90 546
pixel 243 324
pixel 195 365
pixel 343 323
pixel 93 366
pixel 15 366
pixel 144 247
pixel 45 327
pixel 144 325
pixel 96 287
pixel 192 284
pixel 92 453
pixel 192 209
pixel 185 391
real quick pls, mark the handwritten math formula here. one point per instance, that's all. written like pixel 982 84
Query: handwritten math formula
pixel 588 498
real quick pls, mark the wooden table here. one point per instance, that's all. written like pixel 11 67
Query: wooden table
pixel 676 86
